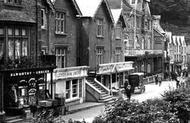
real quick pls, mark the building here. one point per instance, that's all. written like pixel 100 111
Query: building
pixel 23 69
pixel 160 61
pixel 100 49
pixel 60 38
pixel 139 38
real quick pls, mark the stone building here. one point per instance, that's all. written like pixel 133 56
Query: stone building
pixel 23 69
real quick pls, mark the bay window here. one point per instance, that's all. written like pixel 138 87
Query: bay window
pixel 17 42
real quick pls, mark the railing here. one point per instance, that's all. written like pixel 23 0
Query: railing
pixel 105 88
pixel 27 62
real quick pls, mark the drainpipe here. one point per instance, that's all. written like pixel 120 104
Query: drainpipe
pixel 36 31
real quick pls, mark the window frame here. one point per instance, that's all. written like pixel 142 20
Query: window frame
pixel 13 2
pixel 100 55
pixel 100 26
pixel 62 56
pixel 118 54
pixel 70 93
pixel 60 22
pixel 22 40
pixel 118 30
pixel 43 19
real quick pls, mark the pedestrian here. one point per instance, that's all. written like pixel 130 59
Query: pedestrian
pixel 177 82
pixel 156 79
pixel 128 91
pixel 160 80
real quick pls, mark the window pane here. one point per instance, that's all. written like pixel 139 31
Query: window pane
pixel 10 31
pixel 24 48
pixel 68 91
pixel 11 48
pixel 1 47
pixel 23 32
pixel 17 49
pixel 1 31
pixel 16 32
pixel 75 88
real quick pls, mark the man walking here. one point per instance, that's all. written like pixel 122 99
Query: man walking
pixel 128 92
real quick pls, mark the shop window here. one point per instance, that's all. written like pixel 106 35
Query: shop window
pixel 1 42
pixel 100 27
pixel 68 90
pixel 118 31
pixel 60 23
pixel 17 42
pixel 61 57
pixel 43 19
pixel 100 55
pixel 75 88
pixel 72 89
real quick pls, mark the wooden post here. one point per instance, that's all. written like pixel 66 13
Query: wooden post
pixel 51 81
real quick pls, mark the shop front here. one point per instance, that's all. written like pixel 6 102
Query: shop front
pixel 114 75
pixel 23 88
pixel 70 84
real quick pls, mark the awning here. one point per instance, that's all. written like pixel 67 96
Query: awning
pixel 15 16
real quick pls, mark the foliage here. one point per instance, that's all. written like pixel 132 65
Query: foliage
pixel 180 102
pixel 166 8
pixel 150 111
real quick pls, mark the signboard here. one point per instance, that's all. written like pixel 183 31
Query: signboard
pixel 124 66
pixel 113 67
pixel 70 73
pixel 107 68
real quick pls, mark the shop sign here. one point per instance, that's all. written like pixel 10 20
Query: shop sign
pixel 108 68
pixel 70 74
pixel 124 66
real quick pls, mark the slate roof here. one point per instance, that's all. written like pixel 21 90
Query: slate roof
pixel 16 16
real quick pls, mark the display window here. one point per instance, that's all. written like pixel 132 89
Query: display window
pixel 72 89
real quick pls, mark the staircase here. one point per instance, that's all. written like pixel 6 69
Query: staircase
pixel 14 119
pixel 104 96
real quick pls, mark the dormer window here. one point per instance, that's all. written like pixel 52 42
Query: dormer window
pixel 14 2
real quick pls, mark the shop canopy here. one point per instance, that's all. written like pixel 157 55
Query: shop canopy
pixel 115 67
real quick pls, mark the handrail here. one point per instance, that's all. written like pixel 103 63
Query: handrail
pixel 93 87
pixel 101 85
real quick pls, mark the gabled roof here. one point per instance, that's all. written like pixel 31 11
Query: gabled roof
pixel 89 8
pixel 169 36
pixel 174 40
pixel 183 40
pixel 116 14
pixel 15 16
pixel 49 2
pixel 178 40
pixel 158 32
pixel 73 2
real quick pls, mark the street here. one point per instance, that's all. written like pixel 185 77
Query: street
pixel 152 91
